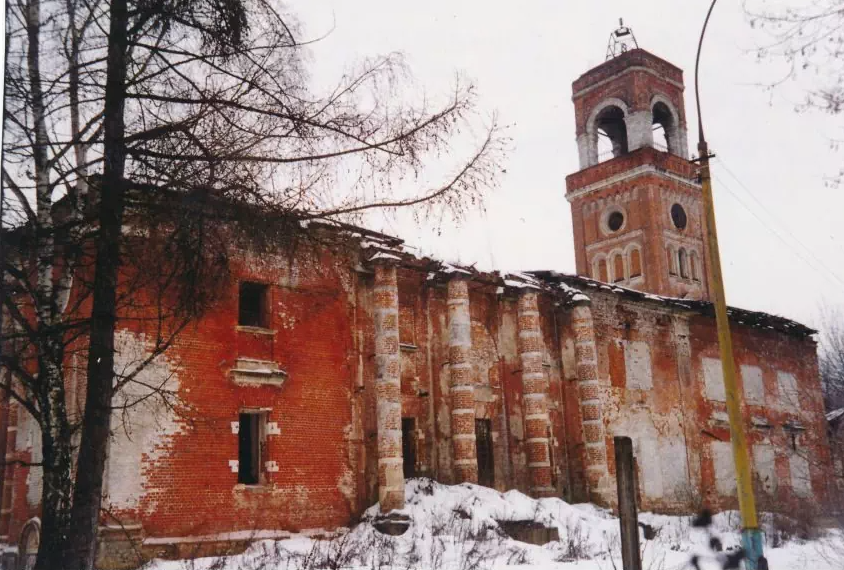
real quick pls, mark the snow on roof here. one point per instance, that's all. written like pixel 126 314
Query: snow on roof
pixel 756 319
pixel 382 255
pixel 574 287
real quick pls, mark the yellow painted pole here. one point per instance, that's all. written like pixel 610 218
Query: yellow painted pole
pixel 751 535
pixel 747 502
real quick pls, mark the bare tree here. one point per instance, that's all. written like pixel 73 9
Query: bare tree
pixel 807 36
pixel 187 117
pixel 831 358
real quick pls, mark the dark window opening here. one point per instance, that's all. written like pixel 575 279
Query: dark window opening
pixel 408 446
pixel 615 221
pixel 678 217
pixel 486 461
pixel 663 127
pixel 249 449
pixel 612 133
pixel 252 306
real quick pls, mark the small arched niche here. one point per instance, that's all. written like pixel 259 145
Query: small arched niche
pixel 635 262
pixel 611 131
pixel 683 263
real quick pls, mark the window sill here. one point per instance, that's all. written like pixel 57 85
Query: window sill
pixel 251 372
pixel 255 330
pixel 256 488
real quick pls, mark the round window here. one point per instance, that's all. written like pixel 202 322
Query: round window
pixel 678 216
pixel 615 220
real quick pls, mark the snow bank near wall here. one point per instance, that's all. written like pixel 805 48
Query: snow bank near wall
pixel 457 528
pixel 140 432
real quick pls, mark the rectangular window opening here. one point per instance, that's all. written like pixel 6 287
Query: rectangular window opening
pixel 408 444
pixel 486 461
pixel 252 305
pixel 249 447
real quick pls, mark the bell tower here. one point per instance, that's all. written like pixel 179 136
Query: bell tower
pixel 637 207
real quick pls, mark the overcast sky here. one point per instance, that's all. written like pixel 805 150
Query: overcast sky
pixel 523 57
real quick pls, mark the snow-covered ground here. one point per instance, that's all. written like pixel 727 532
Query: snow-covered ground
pixel 456 528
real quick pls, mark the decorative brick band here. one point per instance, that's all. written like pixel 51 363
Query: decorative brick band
pixel 462 389
pixel 388 388
pixel 591 414
pixel 534 390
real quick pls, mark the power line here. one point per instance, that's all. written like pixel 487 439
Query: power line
pixel 780 237
pixel 782 224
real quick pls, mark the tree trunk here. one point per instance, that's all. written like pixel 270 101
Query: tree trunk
pixel 55 430
pixel 80 549
pixel 56 460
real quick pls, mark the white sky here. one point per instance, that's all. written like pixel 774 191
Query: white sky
pixel 523 57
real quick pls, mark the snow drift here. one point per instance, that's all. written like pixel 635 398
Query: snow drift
pixel 459 527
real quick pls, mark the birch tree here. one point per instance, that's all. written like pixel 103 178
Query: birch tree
pixel 181 115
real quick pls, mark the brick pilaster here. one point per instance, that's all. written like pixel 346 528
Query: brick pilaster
pixel 388 388
pixel 464 453
pixel 534 390
pixel 589 392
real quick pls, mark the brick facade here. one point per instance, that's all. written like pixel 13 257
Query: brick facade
pixel 367 351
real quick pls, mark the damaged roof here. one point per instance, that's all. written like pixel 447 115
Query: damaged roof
pixel 756 319
pixel 569 288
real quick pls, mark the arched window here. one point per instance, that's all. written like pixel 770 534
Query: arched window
pixel 611 133
pixel 683 263
pixel 694 262
pixel 29 541
pixel 663 125
pixel 635 263
pixel 672 261
pixel 666 127
pixel 601 273
pixel 618 268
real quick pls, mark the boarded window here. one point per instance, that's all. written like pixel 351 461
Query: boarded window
pixel 252 305
pixel 695 266
pixel 486 461
pixel 801 481
pixel 249 448
pixel 618 268
pixel 408 446
pixel 683 263
pixel 725 468
pixel 637 365
pixel 764 463
pixel 635 263
pixel 713 380
pixel 789 394
pixel 754 385
pixel 672 269
pixel 407 323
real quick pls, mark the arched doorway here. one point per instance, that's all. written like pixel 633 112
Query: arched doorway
pixel 28 547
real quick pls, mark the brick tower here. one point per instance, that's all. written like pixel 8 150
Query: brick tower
pixel 637 208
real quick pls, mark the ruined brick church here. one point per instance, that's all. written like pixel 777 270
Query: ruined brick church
pixel 322 381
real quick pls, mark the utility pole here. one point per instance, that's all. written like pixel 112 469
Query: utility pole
pixel 751 535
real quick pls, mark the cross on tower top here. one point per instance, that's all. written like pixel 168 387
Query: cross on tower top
pixel 621 40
